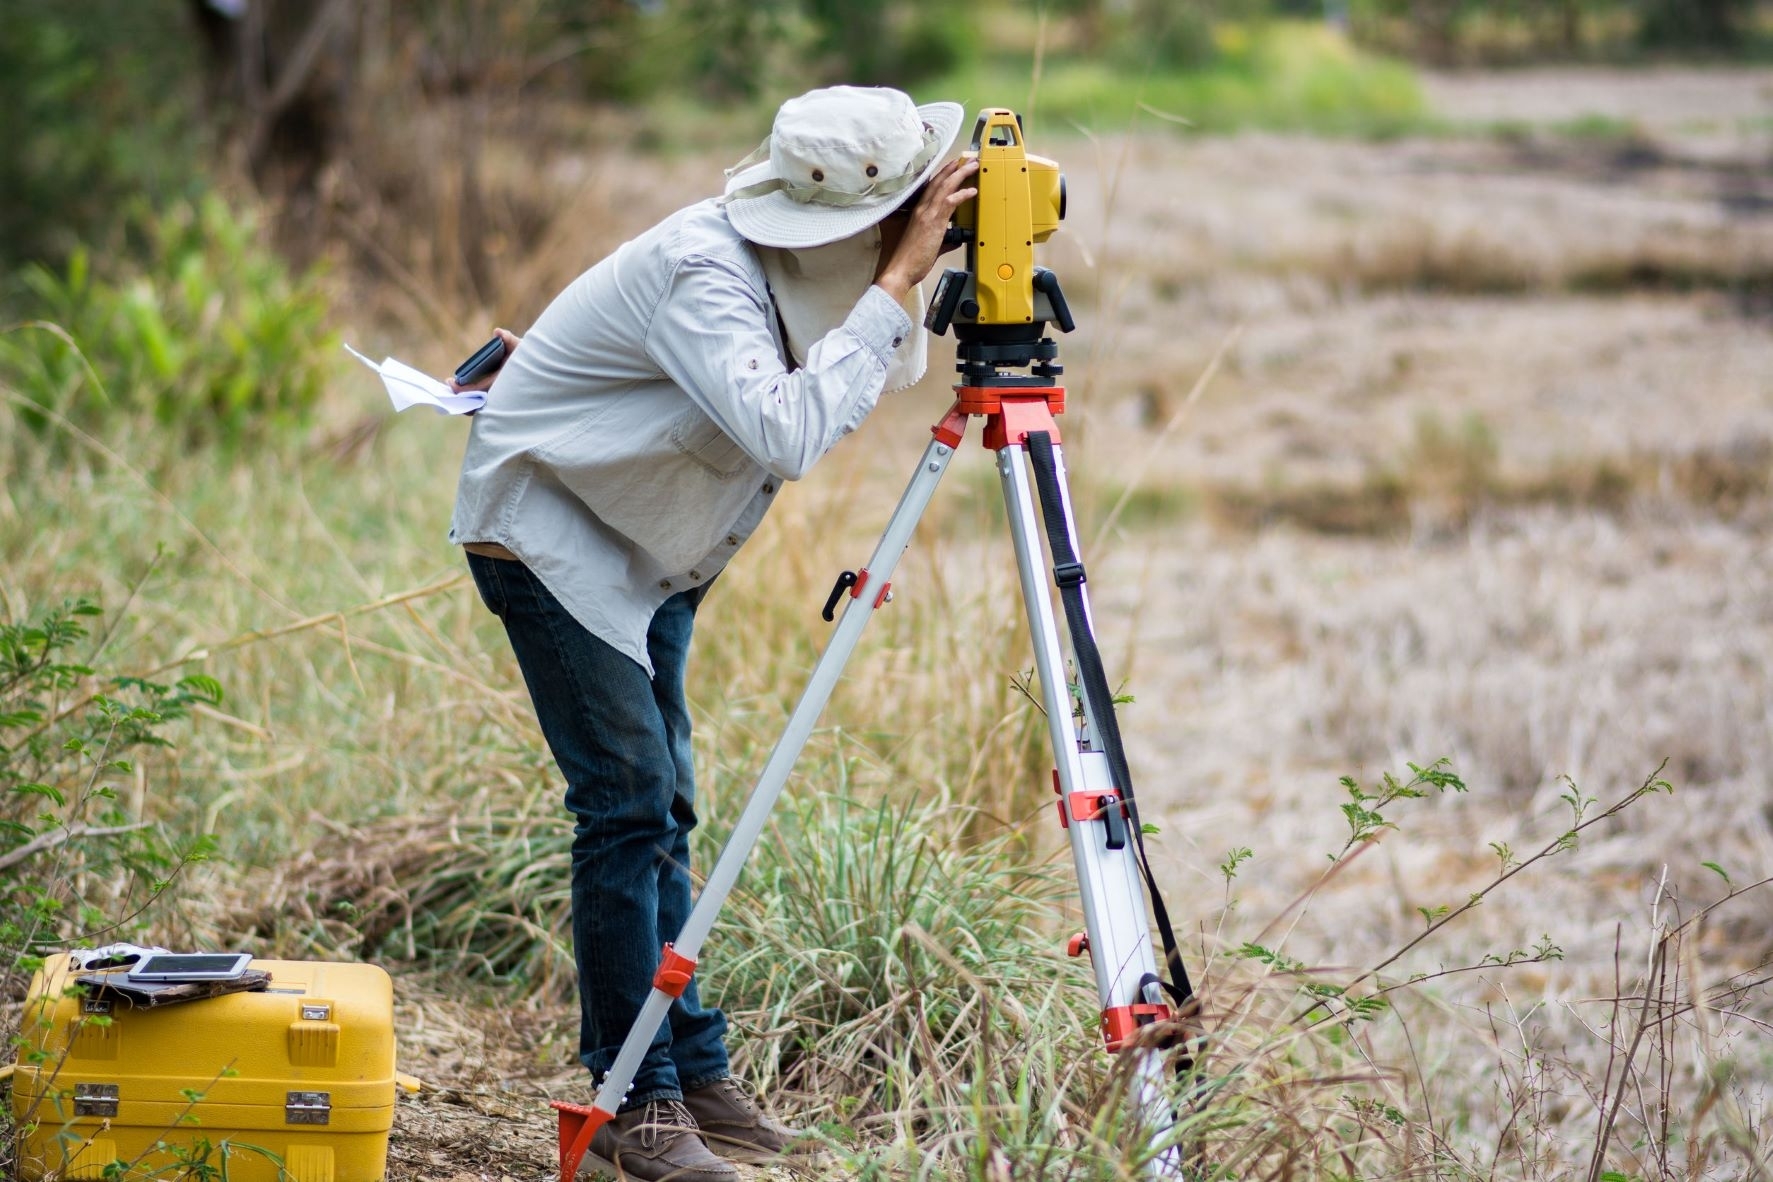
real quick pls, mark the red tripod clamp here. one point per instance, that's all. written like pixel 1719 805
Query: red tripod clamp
pixel 1011 413
pixel 675 971
pixel 1121 1025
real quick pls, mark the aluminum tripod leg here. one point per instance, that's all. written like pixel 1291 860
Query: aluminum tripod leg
pixel 1115 916
pixel 1111 891
pixel 680 956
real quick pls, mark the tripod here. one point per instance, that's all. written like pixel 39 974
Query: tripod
pixel 1095 800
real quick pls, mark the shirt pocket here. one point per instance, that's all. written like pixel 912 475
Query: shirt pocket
pixel 699 439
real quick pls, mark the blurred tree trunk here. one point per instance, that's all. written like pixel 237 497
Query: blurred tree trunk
pixel 870 43
pixel 1554 26
pixel 295 81
pixel 1436 29
pixel 1572 27
pixel 1704 24
pixel 855 32
pixel 1091 25
pixel 282 72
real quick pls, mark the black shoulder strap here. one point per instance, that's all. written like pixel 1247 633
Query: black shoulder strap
pixel 1068 572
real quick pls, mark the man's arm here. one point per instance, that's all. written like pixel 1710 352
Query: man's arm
pixel 711 335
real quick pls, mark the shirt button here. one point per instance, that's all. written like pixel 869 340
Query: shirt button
pixel 732 539
pixel 751 364
pixel 664 584
pixel 897 341
pixel 769 488
pixel 696 575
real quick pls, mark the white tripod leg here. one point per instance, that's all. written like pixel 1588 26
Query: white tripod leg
pixel 867 594
pixel 1116 923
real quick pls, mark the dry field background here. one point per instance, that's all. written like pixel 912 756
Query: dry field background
pixel 1483 475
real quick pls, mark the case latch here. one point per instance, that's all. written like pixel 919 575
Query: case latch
pixel 308 1108
pixel 314 1044
pixel 95 1099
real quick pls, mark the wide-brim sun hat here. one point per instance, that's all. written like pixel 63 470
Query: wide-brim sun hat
pixel 837 161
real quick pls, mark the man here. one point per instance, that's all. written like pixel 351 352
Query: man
pixel 632 442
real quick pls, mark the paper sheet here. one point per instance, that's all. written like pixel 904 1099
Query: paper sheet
pixel 409 387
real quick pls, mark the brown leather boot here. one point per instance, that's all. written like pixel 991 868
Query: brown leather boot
pixel 734 1126
pixel 656 1142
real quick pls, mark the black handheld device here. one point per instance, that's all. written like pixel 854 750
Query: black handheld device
pixel 486 360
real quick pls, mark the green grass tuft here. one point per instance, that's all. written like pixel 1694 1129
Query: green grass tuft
pixel 1278 75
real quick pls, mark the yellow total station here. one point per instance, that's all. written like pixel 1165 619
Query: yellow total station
pixel 1021 201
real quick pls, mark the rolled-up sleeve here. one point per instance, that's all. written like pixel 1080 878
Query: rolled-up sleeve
pixel 710 334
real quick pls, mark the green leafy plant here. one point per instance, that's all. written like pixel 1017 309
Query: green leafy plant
pixel 103 104
pixel 80 859
pixel 212 334
pixel 1362 810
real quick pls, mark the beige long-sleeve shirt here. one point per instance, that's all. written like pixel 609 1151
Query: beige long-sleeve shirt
pixel 637 437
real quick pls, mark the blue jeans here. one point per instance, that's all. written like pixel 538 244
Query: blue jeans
pixel 623 743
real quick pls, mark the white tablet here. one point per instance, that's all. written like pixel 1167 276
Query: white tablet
pixel 191 966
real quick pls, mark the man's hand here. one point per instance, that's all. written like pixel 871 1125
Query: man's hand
pixel 511 340
pixel 920 242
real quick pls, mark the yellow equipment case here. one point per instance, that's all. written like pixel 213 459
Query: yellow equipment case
pixel 294 1082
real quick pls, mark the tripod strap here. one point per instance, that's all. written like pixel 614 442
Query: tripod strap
pixel 1068 573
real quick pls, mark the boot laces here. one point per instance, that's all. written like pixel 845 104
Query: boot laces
pixel 740 1093
pixel 664 1120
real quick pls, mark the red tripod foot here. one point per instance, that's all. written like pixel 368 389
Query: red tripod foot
pixel 578 1124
